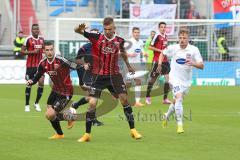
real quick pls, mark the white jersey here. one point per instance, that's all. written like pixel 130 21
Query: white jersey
pixel 137 47
pixel 181 73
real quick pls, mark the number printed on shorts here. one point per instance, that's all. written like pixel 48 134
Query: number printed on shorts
pixel 176 89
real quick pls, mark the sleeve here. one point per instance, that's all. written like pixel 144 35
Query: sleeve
pixel 130 47
pixel 169 51
pixel 40 72
pixel 197 56
pixel 16 43
pixel 25 42
pixel 224 44
pixel 91 36
pixel 122 48
pixel 69 64
pixel 142 46
pixel 81 53
pixel 154 40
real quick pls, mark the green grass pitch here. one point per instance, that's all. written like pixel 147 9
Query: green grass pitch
pixel 212 134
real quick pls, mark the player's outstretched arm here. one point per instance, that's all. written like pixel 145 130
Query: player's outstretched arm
pixel 125 58
pixel 80 28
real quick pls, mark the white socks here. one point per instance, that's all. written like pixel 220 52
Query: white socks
pixel 179 111
pixel 171 109
pixel 137 93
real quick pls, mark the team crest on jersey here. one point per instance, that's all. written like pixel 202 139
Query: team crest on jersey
pixel 116 43
pixel 136 11
pixel 56 66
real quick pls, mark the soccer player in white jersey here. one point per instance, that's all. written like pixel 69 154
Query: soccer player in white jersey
pixel 184 57
pixel 136 57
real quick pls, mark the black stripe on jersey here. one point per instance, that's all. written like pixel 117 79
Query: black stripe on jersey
pixel 110 59
pixel 61 83
pixel 104 59
pixel 100 56
pixel 30 56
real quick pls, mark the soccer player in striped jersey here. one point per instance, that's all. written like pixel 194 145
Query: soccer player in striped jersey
pixel 33 48
pixel 184 57
pixel 106 48
pixel 58 69
pixel 158 44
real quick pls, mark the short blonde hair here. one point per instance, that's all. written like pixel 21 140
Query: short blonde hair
pixel 183 31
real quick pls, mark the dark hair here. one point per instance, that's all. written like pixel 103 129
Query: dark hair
pixel 159 24
pixel 94 29
pixel 183 31
pixel 35 25
pixel 153 32
pixel 108 21
pixel 135 28
pixel 48 43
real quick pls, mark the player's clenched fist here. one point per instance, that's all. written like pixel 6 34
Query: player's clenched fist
pixel 80 28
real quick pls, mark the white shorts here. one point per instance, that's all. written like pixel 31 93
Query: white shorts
pixel 176 88
pixel 137 75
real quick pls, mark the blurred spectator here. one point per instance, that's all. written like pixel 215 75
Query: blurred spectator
pixel 18 42
pixel 222 47
pixel 165 1
pixel 146 47
pixel 192 13
pixel 184 8
pixel 125 9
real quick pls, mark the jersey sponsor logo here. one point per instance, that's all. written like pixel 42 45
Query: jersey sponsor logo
pixel 38 46
pixel 52 73
pixel 138 50
pixel 181 60
pixel 108 50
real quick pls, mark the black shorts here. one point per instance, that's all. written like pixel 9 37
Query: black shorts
pixel 85 77
pixel 30 72
pixel 58 102
pixel 114 83
pixel 165 69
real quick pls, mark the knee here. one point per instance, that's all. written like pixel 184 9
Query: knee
pixel 138 82
pixel 123 99
pixel 92 102
pixel 50 114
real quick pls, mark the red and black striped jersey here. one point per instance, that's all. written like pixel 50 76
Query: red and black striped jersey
pixel 105 53
pixel 31 44
pixel 159 41
pixel 59 72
